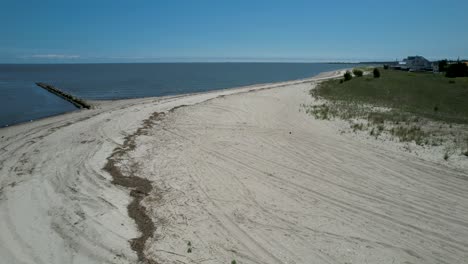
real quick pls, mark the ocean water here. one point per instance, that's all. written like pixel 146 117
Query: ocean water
pixel 22 101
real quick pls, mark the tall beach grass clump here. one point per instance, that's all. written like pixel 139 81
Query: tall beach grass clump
pixel 358 73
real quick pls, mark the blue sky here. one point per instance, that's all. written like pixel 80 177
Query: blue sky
pixel 146 31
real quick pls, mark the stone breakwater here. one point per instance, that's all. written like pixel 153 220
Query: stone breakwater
pixel 80 103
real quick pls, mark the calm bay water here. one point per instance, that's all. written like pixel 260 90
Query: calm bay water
pixel 21 100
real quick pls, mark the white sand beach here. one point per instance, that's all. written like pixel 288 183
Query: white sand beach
pixel 239 174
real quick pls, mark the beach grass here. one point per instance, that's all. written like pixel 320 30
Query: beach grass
pixel 422 94
pixel 425 108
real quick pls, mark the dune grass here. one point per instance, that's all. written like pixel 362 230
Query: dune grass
pixel 418 107
pixel 423 94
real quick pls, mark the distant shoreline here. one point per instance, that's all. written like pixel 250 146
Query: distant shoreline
pixel 200 62
pixel 100 102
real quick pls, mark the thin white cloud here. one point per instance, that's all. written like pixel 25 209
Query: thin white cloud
pixel 54 56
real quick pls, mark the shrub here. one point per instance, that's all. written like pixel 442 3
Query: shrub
pixel 458 69
pixel 356 126
pixel 347 76
pixel 376 118
pixel 376 73
pixel 358 73
pixel 443 65
pixel 386 67
pixel 320 111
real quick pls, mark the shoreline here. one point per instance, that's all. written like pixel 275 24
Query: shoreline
pixel 97 103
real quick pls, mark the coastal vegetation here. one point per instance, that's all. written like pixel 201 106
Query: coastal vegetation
pixel 376 73
pixel 347 76
pixel 424 108
pixel 453 69
pixel 458 69
pixel 358 72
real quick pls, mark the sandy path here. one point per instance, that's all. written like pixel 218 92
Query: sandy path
pixel 250 177
pixel 57 204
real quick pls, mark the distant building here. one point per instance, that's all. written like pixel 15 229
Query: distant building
pixel 418 63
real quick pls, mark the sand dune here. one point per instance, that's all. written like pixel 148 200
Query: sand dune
pixel 237 174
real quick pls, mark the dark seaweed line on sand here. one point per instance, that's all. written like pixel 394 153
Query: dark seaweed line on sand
pixel 140 188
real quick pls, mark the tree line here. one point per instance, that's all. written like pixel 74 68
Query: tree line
pixel 452 70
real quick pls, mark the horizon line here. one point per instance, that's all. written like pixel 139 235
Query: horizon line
pixel 83 60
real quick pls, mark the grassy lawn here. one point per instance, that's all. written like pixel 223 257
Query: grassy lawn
pixel 425 108
pixel 424 94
